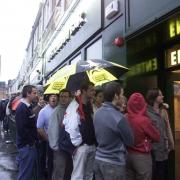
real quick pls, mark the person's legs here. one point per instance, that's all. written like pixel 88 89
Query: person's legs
pixel 41 147
pixel 79 160
pixel 88 169
pixel 97 171
pixel 142 165
pixel 130 172
pixel 111 171
pixel 69 166
pixel 27 163
pixel 58 166
pixel 49 161
pixel 159 170
pixel 6 123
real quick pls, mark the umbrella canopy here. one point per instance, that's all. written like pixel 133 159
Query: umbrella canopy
pixel 63 72
pixel 96 71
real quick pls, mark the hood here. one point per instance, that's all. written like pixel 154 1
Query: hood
pixel 136 104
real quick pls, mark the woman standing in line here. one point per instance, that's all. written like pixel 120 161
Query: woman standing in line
pixel 157 112
pixel 139 160
pixel 98 99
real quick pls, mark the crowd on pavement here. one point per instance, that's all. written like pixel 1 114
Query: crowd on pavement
pixel 94 133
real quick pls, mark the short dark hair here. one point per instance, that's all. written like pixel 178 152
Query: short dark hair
pixel 97 91
pixel 49 95
pixel 27 89
pixel 85 85
pixel 64 91
pixel 110 90
pixel 151 95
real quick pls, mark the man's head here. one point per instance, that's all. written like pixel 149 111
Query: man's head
pixel 64 97
pixel 113 92
pixel 87 90
pixel 41 100
pixel 53 100
pixel 29 92
pixel 99 96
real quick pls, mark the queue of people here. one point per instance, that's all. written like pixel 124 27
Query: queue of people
pixel 95 134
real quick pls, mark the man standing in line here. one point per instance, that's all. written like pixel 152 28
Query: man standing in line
pixel 26 134
pixel 79 133
pixel 62 161
pixel 113 134
pixel 42 128
pixel 41 144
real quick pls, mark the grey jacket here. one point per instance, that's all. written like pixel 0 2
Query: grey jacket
pixel 113 134
pixel 160 149
pixel 54 125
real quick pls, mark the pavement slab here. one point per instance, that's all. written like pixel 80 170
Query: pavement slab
pixel 8 153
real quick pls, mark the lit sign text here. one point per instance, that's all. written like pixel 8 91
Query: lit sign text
pixel 144 67
pixel 174 28
pixel 175 58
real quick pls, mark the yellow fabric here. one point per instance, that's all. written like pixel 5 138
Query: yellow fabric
pixel 56 86
pixel 97 76
pixel 63 72
pixel 100 76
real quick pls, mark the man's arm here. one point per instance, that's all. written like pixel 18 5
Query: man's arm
pixel 53 129
pixel 22 122
pixel 126 132
pixel 42 134
pixel 40 125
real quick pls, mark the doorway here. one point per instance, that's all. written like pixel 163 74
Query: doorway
pixel 176 87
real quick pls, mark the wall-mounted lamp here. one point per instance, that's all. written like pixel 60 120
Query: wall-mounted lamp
pixel 118 41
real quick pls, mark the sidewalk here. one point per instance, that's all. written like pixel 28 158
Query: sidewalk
pixel 8 152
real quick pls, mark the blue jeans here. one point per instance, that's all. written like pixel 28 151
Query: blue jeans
pixel 28 169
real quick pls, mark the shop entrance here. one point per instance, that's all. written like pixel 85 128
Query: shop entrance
pixel 172 91
pixel 176 87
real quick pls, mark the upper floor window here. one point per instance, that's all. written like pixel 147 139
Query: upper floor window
pixel 94 51
pixel 67 3
pixel 76 59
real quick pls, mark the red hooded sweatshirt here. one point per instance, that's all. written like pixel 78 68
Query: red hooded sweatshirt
pixel 144 131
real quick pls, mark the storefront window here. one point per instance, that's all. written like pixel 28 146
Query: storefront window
pixel 95 50
pixel 76 59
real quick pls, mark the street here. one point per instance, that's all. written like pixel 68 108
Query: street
pixel 8 152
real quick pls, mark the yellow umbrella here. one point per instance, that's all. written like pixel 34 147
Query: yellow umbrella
pixel 94 70
pixel 98 77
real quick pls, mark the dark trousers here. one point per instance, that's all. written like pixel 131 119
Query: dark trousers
pixel 49 161
pixel 107 171
pixel 42 149
pixel 160 170
pixel 63 165
pixel 28 164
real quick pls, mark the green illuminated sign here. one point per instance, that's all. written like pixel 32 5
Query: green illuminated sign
pixel 142 68
pixel 174 28
pixel 173 56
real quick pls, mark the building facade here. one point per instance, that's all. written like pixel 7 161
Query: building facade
pixel 142 35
